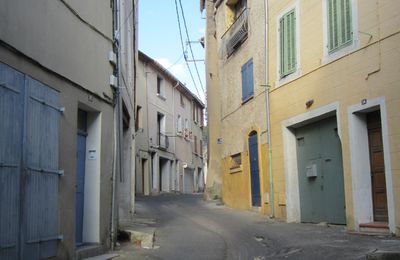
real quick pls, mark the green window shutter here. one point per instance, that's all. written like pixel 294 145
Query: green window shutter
pixel 287 28
pixel 339 24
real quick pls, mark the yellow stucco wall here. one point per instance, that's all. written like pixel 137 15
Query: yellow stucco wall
pixel 368 71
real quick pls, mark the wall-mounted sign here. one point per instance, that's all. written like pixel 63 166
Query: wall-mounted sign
pixel 92 154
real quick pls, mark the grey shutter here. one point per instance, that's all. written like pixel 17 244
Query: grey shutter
pixel 11 127
pixel 42 172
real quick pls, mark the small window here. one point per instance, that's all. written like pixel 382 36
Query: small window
pixel 195 144
pixel 247 81
pixel 160 87
pixel 236 161
pixel 179 125
pixel 182 101
pixel 287 38
pixel 138 119
pixel 340 33
pixel 201 148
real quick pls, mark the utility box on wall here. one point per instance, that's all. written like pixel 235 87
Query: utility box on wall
pixel 311 170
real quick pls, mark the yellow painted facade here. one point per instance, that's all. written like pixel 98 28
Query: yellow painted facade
pixel 348 83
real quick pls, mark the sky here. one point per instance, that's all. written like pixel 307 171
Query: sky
pixel 159 38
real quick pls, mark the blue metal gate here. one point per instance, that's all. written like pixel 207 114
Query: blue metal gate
pixel 29 173
pixel 254 170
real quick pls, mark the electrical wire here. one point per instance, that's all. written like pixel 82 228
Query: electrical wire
pixel 190 45
pixel 183 47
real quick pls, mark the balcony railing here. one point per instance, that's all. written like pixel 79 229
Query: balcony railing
pixel 162 141
pixel 237 32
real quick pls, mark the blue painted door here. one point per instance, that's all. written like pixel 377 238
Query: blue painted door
pixel 254 171
pixel 80 186
pixel 29 173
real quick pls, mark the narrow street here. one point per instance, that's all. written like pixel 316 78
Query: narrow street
pixel 189 228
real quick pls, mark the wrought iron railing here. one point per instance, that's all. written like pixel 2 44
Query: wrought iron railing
pixel 237 32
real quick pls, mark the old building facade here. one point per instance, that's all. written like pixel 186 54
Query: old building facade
pixel 58 91
pixel 325 96
pixel 169 127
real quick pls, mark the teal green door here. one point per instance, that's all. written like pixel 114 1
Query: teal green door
pixel 320 168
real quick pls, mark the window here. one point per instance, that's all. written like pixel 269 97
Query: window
pixel 287 42
pixel 236 161
pixel 195 144
pixel 138 120
pixel 201 148
pixel 182 101
pixel 247 81
pixel 339 24
pixel 237 7
pixel 179 125
pixel 160 87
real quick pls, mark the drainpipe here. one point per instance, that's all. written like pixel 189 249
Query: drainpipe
pixel 118 122
pixel 266 45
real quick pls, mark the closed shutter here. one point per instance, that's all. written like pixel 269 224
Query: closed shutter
pixel 11 127
pixel 42 172
pixel 247 80
pixel 340 32
pixel 29 173
pixel 287 35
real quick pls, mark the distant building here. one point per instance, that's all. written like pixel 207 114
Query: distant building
pixel 303 101
pixel 169 133
pixel 59 125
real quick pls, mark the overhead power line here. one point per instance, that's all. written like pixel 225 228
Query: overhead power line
pixel 183 48
pixel 190 45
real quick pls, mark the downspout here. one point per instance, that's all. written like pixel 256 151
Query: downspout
pixel 118 122
pixel 267 106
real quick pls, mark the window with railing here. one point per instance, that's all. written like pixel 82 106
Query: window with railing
pixel 237 31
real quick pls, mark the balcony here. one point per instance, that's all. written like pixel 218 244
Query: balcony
pixel 162 141
pixel 237 33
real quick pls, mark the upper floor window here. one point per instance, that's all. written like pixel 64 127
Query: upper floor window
pixel 138 119
pixel 182 101
pixel 287 43
pixel 160 87
pixel 179 125
pixel 247 80
pixel 237 25
pixel 340 28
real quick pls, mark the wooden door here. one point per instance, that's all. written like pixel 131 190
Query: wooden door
pixel 254 171
pixel 378 180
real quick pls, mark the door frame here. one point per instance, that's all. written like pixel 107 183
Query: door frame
pixel 360 162
pixel 290 153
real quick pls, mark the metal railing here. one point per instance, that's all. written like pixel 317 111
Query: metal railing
pixel 162 141
pixel 237 32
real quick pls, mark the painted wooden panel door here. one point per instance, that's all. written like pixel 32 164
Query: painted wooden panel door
pixel 254 171
pixel 377 167
pixel 11 127
pixel 320 169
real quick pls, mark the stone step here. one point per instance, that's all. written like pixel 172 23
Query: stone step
pixel 102 257
pixel 143 236
pixel 380 228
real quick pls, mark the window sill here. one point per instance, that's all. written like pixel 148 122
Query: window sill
pixel 247 100
pixel 236 169
pixel 161 97
pixel 289 78
pixel 330 57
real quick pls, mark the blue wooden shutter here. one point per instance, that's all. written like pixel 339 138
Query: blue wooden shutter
pixel 11 127
pixel 287 37
pixel 340 32
pixel 247 80
pixel 42 171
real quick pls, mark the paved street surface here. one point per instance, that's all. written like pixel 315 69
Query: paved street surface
pixel 189 228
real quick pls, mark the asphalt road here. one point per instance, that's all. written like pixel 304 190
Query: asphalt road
pixel 189 228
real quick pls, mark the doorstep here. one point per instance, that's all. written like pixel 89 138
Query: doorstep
pixel 375 228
